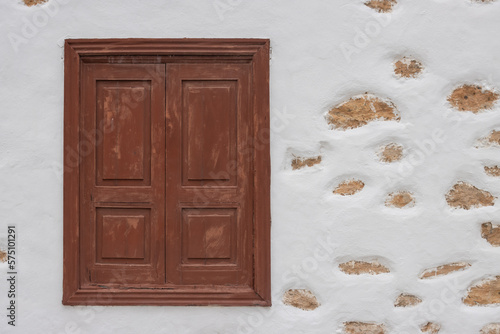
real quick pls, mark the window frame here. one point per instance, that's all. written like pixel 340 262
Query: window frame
pixel 256 52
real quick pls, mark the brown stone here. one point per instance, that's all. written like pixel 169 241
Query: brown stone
pixel 444 270
pixel 391 152
pixel 491 329
pixel 492 171
pixel 407 68
pixel 400 200
pixel 381 6
pixel 466 196
pixel 406 300
pixel 430 328
pixel 491 233
pixel 299 163
pixel 493 139
pixel 363 267
pixel 472 98
pixel 485 293
pixel 301 298
pixel 356 327
pixel 3 256
pixel 30 3
pixel 349 187
pixel 359 111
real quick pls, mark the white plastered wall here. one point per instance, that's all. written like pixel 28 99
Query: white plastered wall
pixel 323 52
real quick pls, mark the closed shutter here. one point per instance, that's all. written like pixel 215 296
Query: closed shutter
pixel 209 174
pixel 167 201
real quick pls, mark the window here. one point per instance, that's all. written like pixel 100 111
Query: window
pixel 166 172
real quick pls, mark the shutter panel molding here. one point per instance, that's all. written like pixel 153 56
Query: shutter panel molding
pixel 166 172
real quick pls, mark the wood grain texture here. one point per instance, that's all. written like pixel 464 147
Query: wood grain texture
pixel 117 129
pixel 71 198
pixel 170 205
pixel 126 148
pixel 209 235
pixel 223 95
pixel 123 235
pixel 210 120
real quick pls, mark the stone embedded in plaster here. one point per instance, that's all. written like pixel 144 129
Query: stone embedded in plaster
pixel 349 187
pixel 472 98
pixel 362 267
pixel 407 68
pixel 444 270
pixel 381 6
pixel 360 110
pixel 407 300
pixel 30 3
pixel 356 327
pixel 391 153
pixel 401 199
pixel 492 170
pixel 491 329
pixel 430 328
pixel 3 256
pixel 301 298
pixel 299 162
pixel 493 139
pixel 491 233
pixel 487 292
pixel 466 196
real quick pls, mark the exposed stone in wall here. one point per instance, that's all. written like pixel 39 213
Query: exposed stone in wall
pixel 355 327
pixel 472 98
pixel 34 2
pixel 430 328
pixel 360 110
pixel 400 199
pixel 381 6
pixel 301 298
pixel 466 196
pixel 491 329
pixel 3 256
pixel 349 187
pixel 492 171
pixel 493 139
pixel 363 267
pixel 406 300
pixel 391 152
pixel 444 270
pixel 299 162
pixel 485 293
pixel 407 68
pixel 491 233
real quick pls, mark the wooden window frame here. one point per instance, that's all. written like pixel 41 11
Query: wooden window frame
pixel 253 51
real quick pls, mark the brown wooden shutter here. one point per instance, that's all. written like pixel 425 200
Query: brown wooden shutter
pixel 167 201
pixel 209 174
pixel 123 174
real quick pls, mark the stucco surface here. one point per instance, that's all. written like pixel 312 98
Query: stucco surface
pixel 323 53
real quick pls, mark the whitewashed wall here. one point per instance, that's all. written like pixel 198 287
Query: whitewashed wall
pixel 323 52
